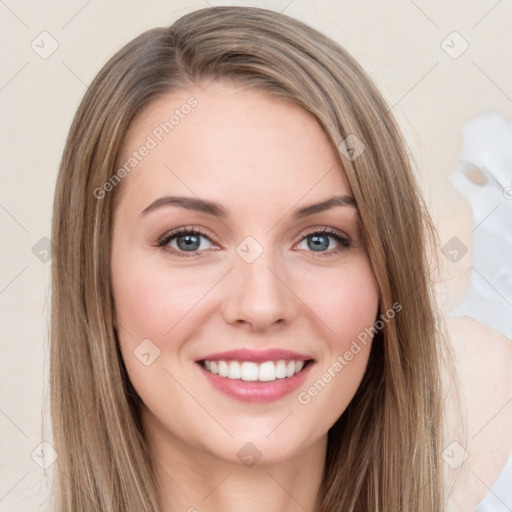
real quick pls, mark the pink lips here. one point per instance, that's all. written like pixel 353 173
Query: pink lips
pixel 255 391
pixel 256 356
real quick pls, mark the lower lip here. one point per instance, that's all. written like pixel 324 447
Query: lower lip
pixel 256 391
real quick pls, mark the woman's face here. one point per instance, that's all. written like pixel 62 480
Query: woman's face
pixel 215 325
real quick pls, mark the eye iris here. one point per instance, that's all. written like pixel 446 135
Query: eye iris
pixel 188 242
pixel 318 242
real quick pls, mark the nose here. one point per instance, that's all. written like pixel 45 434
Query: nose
pixel 258 294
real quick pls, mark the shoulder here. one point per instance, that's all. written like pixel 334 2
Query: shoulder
pixel 483 362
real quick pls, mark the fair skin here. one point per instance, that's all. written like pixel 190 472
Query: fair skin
pixel 260 159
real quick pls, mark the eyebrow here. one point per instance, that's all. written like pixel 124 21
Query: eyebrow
pixel 216 210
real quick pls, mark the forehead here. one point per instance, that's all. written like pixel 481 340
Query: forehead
pixel 227 139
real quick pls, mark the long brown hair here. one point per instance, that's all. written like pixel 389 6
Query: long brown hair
pixel 384 451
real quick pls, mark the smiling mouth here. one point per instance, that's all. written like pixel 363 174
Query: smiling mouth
pixel 250 371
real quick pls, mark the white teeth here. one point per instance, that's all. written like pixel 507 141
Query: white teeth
pixel 250 371
pixel 223 369
pixel 234 370
pixel 281 370
pixel 267 371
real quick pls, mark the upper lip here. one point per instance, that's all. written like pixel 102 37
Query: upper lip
pixel 256 356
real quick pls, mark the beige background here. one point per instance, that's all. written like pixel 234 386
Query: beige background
pixel 397 41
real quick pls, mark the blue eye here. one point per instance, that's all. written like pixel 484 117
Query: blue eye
pixel 184 241
pixel 191 241
pixel 319 241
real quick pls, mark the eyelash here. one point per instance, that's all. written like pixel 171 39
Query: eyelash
pixel 343 241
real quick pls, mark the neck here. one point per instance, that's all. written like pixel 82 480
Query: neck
pixel 194 480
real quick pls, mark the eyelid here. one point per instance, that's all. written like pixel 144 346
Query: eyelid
pixel 343 240
pixel 189 229
pixel 324 229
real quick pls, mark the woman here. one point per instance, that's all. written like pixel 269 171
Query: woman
pixel 241 310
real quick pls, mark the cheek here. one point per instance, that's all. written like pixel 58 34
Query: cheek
pixel 345 300
pixel 151 300
pixel 154 309
pixel 347 304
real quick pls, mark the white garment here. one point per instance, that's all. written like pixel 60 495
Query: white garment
pixel 488 146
